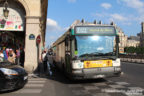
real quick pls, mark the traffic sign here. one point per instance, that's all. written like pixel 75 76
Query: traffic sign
pixel 38 39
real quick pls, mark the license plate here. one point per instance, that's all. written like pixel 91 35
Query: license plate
pixel 97 63
pixel 99 76
pixel 25 77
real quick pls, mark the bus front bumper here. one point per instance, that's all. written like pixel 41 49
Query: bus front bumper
pixel 90 73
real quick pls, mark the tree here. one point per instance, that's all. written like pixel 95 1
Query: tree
pixel 138 50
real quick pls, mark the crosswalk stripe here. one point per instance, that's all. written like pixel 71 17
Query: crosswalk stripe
pixel 34 85
pixel 28 91
pixel 135 88
pixel 36 81
pixel 122 83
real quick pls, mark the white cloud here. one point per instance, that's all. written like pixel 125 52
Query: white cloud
pixel 52 37
pixel 52 25
pixel 106 5
pixel 53 31
pixel 72 1
pixel 118 17
pixel 124 19
pixel 138 5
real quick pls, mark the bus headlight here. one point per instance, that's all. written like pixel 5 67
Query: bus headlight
pixel 77 64
pixel 117 62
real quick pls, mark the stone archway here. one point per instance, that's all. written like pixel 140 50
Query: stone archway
pixel 25 7
pixel 14 26
pixel 34 10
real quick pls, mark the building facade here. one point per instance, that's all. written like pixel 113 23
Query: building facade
pixel 25 24
pixel 133 41
pixel 123 40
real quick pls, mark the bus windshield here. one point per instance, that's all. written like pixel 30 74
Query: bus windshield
pixel 95 46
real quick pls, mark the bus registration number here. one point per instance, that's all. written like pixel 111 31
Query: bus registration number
pixel 97 63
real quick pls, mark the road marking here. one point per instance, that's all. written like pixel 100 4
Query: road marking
pixel 34 85
pixel 122 83
pixel 36 81
pixel 136 88
pixel 28 91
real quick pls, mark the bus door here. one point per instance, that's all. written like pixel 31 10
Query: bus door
pixel 67 56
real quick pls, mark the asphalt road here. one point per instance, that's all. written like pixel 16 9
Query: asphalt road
pixel 131 83
pixel 133 73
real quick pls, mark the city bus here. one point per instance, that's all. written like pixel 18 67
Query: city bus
pixel 87 51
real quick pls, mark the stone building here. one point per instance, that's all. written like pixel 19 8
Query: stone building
pixel 123 40
pixel 133 41
pixel 26 20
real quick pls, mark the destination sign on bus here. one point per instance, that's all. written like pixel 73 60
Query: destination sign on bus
pixel 95 30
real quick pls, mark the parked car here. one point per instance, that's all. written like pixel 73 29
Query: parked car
pixel 12 76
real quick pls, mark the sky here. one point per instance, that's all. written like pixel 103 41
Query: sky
pixel 127 14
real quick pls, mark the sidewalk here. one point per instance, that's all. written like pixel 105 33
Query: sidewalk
pixel 132 60
pixel 40 71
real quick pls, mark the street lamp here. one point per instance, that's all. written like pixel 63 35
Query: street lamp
pixel 5 10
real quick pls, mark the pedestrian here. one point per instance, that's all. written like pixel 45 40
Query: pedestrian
pixel 18 56
pixel 5 54
pixel 44 60
pixel 22 57
pixel 1 55
pixel 7 51
pixel 11 57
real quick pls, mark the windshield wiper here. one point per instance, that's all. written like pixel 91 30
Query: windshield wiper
pixel 102 54
pixel 84 55
pixel 109 54
pixel 92 54
pixel 96 53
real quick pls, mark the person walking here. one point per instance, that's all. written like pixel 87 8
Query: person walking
pixel 5 54
pixel 44 60
pixel 11 57
pixel 18 56
pixel 1 55
pixel 22 57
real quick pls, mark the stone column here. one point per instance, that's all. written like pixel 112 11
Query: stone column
pixel 31 53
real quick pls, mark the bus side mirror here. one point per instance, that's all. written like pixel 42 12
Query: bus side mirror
pixel 117 39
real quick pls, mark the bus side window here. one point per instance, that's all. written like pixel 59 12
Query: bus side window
pixel 67 44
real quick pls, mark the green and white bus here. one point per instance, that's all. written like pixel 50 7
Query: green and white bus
pixel 88 51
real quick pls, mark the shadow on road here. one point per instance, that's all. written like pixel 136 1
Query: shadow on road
pixel 57 75
pixel 9 91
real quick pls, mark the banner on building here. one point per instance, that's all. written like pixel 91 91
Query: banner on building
pixel 14 22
